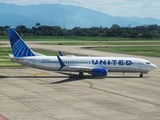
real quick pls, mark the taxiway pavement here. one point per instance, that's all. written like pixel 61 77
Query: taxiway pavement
pixel 28 93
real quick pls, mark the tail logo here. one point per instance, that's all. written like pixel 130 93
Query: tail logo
pixel 19 48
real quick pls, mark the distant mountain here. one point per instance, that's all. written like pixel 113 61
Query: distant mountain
pixel 67 16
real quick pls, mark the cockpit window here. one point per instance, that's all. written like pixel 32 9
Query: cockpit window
pixel 147 62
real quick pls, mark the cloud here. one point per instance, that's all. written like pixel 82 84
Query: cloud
pixel 139 8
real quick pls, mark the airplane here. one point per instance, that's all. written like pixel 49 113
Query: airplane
pixel 96 66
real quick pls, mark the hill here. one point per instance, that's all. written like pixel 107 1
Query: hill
pixel 67 16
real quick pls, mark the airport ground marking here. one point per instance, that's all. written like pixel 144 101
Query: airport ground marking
pixel 2 117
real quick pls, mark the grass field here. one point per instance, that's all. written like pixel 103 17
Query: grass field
pixel 4 58
pixel 103 43
pixel 153 51
pixel 79 38
pixel 48 53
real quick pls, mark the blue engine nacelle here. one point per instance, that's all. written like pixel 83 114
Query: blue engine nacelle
pixel 99 72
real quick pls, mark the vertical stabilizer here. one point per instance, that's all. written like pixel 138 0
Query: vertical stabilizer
pixel 19 47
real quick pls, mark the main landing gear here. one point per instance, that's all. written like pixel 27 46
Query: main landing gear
pixel 81 75
pixel 141 75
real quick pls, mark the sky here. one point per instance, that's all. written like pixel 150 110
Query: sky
pixel 124 8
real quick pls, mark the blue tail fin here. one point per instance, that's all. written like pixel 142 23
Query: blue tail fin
pixel 60 53
pixel 19 47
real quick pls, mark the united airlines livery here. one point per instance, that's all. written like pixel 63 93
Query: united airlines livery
pixel 96 66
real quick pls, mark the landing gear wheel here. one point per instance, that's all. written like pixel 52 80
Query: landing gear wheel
pixel 81 75
pixel 141 75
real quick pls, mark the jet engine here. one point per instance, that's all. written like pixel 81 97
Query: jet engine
pixel 99 72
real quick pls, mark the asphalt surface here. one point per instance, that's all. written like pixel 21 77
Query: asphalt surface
pixel 28 93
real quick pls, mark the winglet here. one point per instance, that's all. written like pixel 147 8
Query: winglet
pixel 61 63
pixel 60 53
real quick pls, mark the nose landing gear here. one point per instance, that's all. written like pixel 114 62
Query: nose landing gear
pixel 141 75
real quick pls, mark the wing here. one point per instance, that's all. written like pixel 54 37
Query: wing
pixel 77 68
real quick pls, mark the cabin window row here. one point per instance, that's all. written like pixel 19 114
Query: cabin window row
pixel 44 61
pixel 77 62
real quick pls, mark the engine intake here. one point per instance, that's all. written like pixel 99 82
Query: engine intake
pixel 99 72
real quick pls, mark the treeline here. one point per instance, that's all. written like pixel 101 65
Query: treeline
pixel 145 31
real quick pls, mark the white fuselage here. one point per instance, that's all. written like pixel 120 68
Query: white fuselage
pixel 112 64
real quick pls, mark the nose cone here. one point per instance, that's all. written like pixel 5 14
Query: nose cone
pixel 153 66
